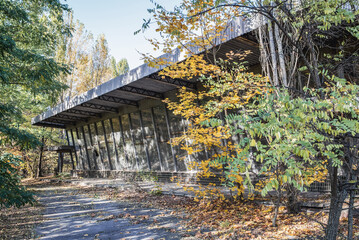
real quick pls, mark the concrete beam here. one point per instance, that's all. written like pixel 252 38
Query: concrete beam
pixel 82 112
pixel 117 100
pixel 142 92
pixel 69 117
pixel 99 107
pixel 174 82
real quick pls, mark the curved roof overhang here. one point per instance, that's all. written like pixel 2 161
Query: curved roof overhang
pixel 140 83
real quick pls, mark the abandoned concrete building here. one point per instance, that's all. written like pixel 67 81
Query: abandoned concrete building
pixel 122 126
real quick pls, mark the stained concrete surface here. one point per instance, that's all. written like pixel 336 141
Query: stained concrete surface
pixel 70 215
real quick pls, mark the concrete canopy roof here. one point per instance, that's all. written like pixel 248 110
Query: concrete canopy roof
pixel 140 83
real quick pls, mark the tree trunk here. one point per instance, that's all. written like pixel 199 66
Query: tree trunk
pixel 264 57
pixel 283 71
pixel 276 210
pixel 293 205
pixel 350 214
pixel 39 166
pixel 314 61
pixel 336 206
pixel 273 55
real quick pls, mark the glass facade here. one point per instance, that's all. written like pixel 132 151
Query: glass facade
pixel 103 165
pixel 138 141
pixel 129 146
pixel 71 143
pixel 121 162
pixel 90 147
pixel 135 141
pixel 95 151
pixel 87 147
pixel 80 152
pixel 150 139
pixel 177 129
pixel 109 144
pixel 163 139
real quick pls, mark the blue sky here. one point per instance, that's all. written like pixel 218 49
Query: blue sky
pixel 118 20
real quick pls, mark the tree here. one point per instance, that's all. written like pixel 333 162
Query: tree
pixel 298 39
pixel 303 44
pixel 119 68
pixel 75 51
pixel 95 66
pixel 28 38
pixel 101 60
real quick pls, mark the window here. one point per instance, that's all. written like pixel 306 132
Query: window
pixel 121 164
pixel 80 145
pixel 163 138
pixel 129 148
pixel 110 142
pixel 150 139
pixel 104 165
pixel 96 154
pixel 138 141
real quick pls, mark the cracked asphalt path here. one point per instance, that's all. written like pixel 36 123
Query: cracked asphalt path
pixel 71 215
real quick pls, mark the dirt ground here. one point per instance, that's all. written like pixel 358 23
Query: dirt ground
pixel 65 211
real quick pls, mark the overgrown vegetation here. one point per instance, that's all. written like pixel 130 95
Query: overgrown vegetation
pixel 299 127
pixel 19 222
pixel 46 57
pixel 28 37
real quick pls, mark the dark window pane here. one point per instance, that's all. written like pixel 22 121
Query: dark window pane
pixel 168 163
pixel 150 139
pixel 129 149
pixel 77 148
pixel 95 152
pixel 101 137
pixel 121 164
pixel 89 147
pixel 109 138
pixel 177 129
pixel 69 137
pixel 81 153
pixel 139 144
pixel 197 156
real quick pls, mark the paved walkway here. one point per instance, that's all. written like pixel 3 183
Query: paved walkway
pixel 70 215
pixel 170 188
pixel 166 188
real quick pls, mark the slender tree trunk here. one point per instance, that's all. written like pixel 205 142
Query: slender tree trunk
pixel 336 206
pixel 281 56
pixel 350 214
pixel 264 57
pixel 39 166
pixel 278 200
pixel 314 61
pixel 293 205
pixel 273 55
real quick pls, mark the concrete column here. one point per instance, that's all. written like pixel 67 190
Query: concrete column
pixel 92 143
pixel 73 143
pixel 86 150
pixel 68 143
pixel 145 141
pixel 170 136
pixel 157 139
pixel 114 141
pixel 81 153
pixel 107 148
pixel 99 146
pixel 133 141
pixel 123 140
